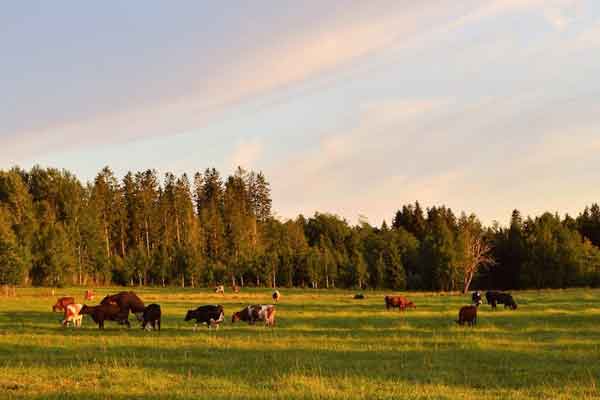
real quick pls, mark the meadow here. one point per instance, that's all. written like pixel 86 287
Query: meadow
pixel 325 345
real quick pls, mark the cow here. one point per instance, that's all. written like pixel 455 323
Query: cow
pixel 151 317
pixel 235 289
pixel 401 302
pixel 106 312
pixel 467 315
pixel 359 296
pixel 62 303
pixel 494 298
pixel 220 289
pixel 127 301
pixel 254 313
pixel 276 296
pixel 89 295
pixel 476 298
pixel 72 315
pixel 211 315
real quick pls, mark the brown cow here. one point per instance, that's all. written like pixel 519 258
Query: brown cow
pixel 89 295
pixel 62 303
pixel 276 296
pixel 127 301
pixel 402 303
pixel 468 315
pixel 106 312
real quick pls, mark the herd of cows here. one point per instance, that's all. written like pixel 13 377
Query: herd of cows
pixel 117 308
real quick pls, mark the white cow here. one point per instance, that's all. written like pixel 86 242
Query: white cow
pixel 72 315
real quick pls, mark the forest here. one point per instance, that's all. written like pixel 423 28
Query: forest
pixel 206 229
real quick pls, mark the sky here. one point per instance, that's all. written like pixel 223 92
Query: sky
pixel 348 107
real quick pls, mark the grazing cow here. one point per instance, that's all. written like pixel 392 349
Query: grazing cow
pixel 494 298
pixel 359 296
pixel 220 289
pixel 235 289
pixel 211 315
pixel 476 298
pixel 151 317
pixel 468 315
pixel 127 301
pixel 106 312
pixel 254 313
pixel 62 303
pixel 276 296
pixel 72 315
pixel 89 295
pixel 401 302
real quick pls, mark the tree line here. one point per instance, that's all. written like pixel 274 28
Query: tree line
pixel 207 229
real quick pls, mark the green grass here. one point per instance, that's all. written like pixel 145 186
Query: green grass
pixel 325 345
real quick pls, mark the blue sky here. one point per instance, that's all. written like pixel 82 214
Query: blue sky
pixel 350 107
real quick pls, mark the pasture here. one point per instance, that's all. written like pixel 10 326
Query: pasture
pixel 325 345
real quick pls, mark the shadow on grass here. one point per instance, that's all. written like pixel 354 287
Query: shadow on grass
pixel 443 364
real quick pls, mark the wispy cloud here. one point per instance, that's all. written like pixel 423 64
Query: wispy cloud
pixel 246 154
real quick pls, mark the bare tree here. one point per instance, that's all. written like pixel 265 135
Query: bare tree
pixel 476 250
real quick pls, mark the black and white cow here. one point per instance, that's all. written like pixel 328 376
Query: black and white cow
pixel 151 316
pixel 476 299
pixel 256 312
pixel 211 315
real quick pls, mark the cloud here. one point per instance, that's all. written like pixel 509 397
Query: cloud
pixel 558 13
pixel 246 154
pixel 589 38
pixel 288 60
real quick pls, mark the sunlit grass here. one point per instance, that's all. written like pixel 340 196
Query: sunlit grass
pixel 325 345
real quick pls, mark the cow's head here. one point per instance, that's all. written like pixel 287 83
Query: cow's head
pixel 85 310
pixel 189 315
pixel 411 304
pixel 236 317
pixel 476 298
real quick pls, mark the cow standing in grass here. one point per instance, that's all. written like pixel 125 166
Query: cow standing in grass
pixel 72 315
pixel 106 312
pixel 400 302
pixel 276 296
pixel 126 301
pixel 89 295
pixel 467 315
pixel 254 313
pixel 152 315
pixel 494 298
pixel 476 298
pixel 62 303
pixel 211 315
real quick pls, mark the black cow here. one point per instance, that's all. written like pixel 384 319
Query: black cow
pixel 211 315
pixel 476 298
pixel 127 301
pixel 151 317
pixel 106 312
pixel 494 298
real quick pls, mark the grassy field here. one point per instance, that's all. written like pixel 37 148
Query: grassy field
pixel 325 345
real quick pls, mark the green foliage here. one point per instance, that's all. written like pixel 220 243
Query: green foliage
pixel 141 231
